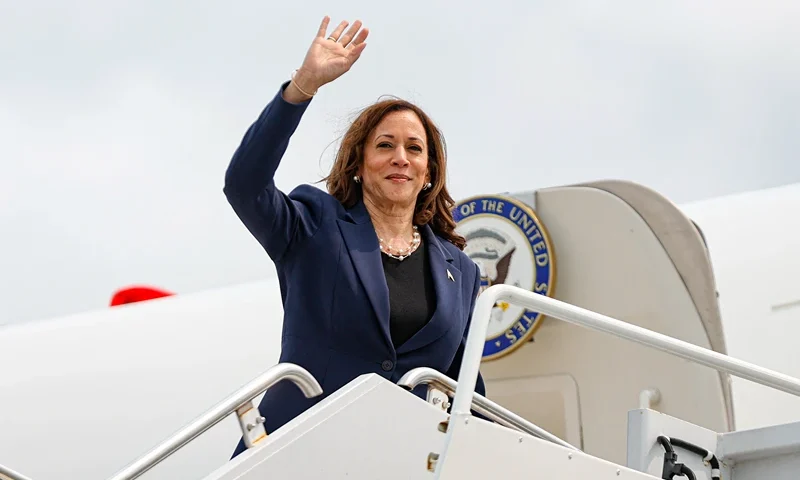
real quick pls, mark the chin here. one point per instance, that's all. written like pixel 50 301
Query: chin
pixel 405 197
pixel 400 194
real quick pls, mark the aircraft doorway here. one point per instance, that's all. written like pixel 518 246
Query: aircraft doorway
pixel 550 401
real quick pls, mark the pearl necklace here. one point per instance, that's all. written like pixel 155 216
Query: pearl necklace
pixel 401 253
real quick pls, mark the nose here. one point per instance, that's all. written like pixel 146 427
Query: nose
pixel 400 158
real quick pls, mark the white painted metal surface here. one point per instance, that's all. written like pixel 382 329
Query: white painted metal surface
pixel 369 429
pixel 350 436
pixel 768 452
pixel 645 454
pixel 478 449
pixel 763 453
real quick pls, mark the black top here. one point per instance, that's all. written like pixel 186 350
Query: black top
pixel 412 298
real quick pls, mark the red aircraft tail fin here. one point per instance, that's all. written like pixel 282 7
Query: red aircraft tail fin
pixel 137 294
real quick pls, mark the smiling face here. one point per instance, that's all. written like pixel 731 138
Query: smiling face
pixel 395 166
pixel 390 151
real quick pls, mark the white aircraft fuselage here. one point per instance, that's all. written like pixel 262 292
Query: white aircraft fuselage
pixel 83 395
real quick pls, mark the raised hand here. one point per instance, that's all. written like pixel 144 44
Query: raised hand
pixel 330 56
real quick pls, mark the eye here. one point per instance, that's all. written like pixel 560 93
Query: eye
pixel 384 145
pixel 416 147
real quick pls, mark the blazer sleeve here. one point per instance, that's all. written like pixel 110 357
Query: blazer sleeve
pixel 275 219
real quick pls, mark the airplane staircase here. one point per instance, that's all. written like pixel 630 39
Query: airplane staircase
pixel 374 429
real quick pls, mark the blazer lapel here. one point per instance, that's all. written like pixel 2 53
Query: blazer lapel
pixel 362 244
pixel 447 283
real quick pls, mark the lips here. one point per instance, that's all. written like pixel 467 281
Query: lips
pixel 398 177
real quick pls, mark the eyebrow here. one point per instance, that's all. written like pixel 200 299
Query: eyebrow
pixel 387 135
pixel 392 137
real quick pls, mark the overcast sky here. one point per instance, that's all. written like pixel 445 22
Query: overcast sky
pixel 117 119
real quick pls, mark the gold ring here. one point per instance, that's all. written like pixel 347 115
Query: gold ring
pixel 334 39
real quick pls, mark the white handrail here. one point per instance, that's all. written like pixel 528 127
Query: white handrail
pixel 282 371
pixel 8 474
pixel 484 406
pixel 467 376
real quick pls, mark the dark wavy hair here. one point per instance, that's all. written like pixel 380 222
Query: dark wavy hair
pixel 434 206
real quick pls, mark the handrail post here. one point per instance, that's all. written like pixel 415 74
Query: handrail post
pixel 467 376
pixel 473 350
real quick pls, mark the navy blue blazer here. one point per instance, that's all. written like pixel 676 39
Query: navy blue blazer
pixel 334 292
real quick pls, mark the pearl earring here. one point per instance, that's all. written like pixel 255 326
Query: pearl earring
pixel 356 179
pixel 427 186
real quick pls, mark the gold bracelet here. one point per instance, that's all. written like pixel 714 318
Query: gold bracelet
pixel 298 87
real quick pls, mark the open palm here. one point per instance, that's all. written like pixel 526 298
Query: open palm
pixel 331 56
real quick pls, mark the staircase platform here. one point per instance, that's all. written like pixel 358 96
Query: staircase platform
pixel 372 429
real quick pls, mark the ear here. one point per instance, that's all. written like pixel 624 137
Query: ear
pixel 360 163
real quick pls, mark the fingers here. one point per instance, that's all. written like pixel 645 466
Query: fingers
pixel 323 27
pixel 354 50
pixel 338 32
pixel 354 53
pixel 362 35
pixel 345 39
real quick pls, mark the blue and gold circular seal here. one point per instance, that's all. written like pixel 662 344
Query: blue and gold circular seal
pixel 510 245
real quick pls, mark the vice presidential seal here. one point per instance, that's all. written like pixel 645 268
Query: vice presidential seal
pixel 511 246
